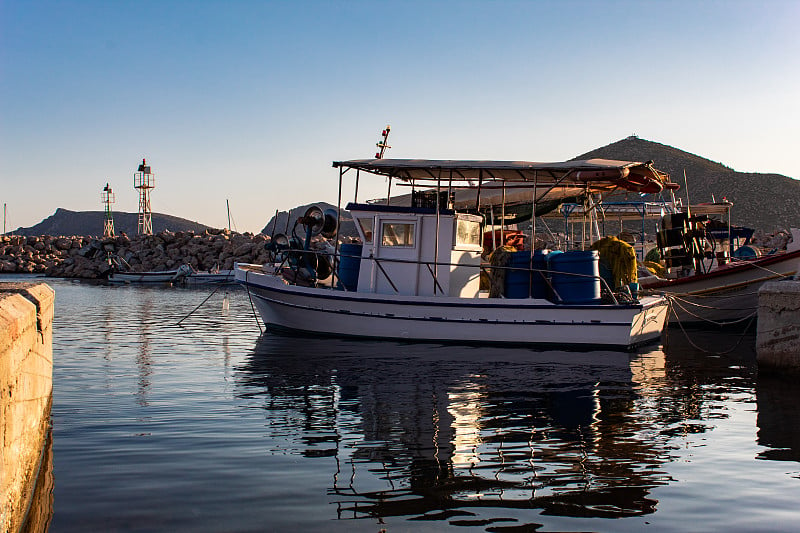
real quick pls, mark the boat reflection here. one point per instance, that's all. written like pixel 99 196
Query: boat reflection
pixel 430 432
pixel 778 418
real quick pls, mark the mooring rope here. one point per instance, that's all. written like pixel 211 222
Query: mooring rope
pixel 198 307
pixel 695 304
pixel 737 261
pixel 750 318
pixel 712 295
pixel 250 297
pixel 677 301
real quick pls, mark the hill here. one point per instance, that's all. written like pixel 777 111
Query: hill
pixel 67 223
pixel 762 201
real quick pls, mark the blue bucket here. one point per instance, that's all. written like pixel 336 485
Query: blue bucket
pixel 523 283
pixel 349 265
pixel 583 288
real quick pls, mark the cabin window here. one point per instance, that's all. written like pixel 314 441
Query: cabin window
pixel 366 228
pixel 397 234
pixel 468 232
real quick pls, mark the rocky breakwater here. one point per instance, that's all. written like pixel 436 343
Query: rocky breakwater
pixel 88 257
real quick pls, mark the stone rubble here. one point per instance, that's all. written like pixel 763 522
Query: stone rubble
pixel 87 257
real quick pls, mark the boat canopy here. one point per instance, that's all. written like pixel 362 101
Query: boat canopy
pixel 510 182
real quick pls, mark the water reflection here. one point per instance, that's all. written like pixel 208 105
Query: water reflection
pixel 426 431
pixel 779 417
pixel 40 510
pixel 144 360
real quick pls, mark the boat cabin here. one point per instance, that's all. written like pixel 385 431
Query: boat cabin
pixel 417 251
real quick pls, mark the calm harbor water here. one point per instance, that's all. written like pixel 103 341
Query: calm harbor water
pixel 210 426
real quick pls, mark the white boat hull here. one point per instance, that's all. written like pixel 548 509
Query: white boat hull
pixel 727 296
pixel 451 319
pixel 167 276
pixel 211 278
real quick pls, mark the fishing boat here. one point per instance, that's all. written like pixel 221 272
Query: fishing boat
pixel 416 272
pixel 212 276
pixel 152 277
pixel 712 272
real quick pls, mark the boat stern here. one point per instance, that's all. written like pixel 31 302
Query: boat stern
pixel 649 323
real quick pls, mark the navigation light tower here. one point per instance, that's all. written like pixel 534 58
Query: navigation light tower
pixel 144 180
pixel 107 198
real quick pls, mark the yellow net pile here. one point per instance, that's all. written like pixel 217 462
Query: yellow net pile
pixel 620 258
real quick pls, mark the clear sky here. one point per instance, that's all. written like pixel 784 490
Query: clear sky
pixel 251 101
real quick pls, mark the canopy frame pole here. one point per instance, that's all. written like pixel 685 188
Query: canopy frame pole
pixel 355 197
pixel 533 233
pixel 335 272
pixel 503 216
pixel 436 238
pixel 494 240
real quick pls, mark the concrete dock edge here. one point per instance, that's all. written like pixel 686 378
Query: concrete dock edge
pixel 26 391
pixel 778 334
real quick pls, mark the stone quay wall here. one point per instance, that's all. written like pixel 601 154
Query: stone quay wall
pixel 87 257
pixel 26 392
pixel 778 334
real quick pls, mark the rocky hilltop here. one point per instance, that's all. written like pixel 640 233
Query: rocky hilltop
pixel 766 202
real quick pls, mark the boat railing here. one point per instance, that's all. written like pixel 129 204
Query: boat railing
pixel 546 273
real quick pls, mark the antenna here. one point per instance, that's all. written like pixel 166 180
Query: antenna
pixel 382 143
pixel 686 186
pixel 144 180
pixel 107 197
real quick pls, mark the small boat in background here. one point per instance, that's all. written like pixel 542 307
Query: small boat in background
pixel 708 283
pixel 212 276
pixel 154 277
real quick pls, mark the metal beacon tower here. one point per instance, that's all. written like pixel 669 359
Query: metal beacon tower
pixel 144 180
pixel 107 198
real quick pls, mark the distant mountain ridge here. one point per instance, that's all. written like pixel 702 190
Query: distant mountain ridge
pixel 68 223
pixel 765 202
pixel 762 201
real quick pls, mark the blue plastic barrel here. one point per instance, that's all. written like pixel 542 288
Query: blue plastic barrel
pixel 349 265
pixel 524 283
pixel 576 277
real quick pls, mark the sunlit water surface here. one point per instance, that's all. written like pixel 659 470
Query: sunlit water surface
pixel 210 426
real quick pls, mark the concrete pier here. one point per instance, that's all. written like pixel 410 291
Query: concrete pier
pixel 778 336
pixel 26 392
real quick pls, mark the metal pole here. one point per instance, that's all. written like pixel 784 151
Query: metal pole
pixel 355 199
pixel 274 226
pixel 436 239
pixel 491 218
pixel 227 203
pixel 338 225
pixel 503 216
pixel 478 196
pixel 533 234
pixel 533 214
